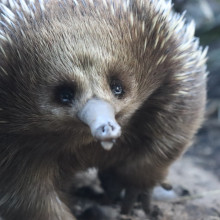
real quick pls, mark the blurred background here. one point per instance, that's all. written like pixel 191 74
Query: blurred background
pixel 206 14
pixel 197 174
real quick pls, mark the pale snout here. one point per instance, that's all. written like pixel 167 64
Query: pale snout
pixel 99 115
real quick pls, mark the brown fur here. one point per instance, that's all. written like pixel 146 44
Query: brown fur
pixel 42 144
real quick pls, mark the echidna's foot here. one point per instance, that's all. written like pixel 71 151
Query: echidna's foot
pixel 111 185
pixel 95 213
pixel 132 195
pixel 113 188
pixel 167 186
pixel 130 198
pixel 145 198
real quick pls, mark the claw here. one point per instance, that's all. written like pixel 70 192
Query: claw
pixel 131 196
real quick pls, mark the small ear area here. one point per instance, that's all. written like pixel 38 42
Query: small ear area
pixel 99 115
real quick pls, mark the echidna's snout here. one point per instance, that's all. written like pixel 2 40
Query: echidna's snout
pixel 99 115
pixel 108 130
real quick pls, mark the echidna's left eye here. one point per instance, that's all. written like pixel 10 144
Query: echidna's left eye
pixel 117 88
pixel 64 95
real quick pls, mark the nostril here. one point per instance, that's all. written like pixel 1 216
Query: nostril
pixel 111 126
pixel 107 129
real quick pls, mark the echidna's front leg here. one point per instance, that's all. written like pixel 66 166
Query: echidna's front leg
pixel 113 188
pixel 111 184
pixel 132 195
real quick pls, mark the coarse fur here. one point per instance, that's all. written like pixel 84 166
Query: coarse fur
pixel 83 44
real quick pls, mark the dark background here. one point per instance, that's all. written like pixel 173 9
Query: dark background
pixel 206 14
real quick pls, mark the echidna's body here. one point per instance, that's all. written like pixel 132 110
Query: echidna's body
pixel 64 62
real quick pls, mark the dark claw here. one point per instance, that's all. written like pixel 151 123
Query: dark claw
pixel 145 199
pixel 131 196
pixel 167 186
pixel 113 188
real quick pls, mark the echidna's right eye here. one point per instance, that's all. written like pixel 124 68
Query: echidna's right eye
pixel 64 95
pixel 117 88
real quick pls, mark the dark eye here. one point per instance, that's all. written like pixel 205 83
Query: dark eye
pixel 64 95
pixel 117 88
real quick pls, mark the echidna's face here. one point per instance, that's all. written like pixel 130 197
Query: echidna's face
pixel 85 67
pixel 64 82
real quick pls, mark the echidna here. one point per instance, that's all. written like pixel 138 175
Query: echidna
pixel 115 84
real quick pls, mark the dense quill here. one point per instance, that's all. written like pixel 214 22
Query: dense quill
pixel 119 85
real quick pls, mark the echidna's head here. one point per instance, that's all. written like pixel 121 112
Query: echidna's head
pixel 81 69
pixel 67 74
